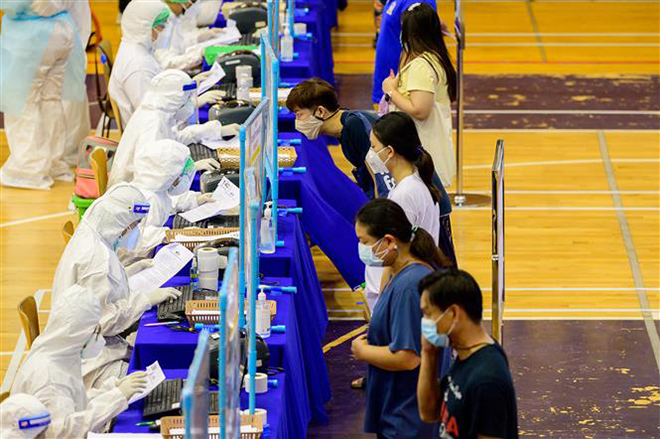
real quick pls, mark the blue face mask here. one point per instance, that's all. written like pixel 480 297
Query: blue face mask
pixel 129 241
pixel 367 255
pixel 430 332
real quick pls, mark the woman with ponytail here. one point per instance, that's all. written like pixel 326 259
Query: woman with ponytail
pixel 396 148
pixel 425 86
pixel 392 346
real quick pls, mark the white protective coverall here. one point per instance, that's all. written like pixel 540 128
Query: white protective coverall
pixel 208 11
pixel 157 166
pixel 43 62
pixel 173 43
pixel 165 106
pixel 89 259
pixel 52 370
pixel 135 64
pixel 18 415
pixel 76 113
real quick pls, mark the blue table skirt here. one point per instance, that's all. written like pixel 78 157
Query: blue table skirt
pixel 330 201
pixel 175 350
pixel 286 419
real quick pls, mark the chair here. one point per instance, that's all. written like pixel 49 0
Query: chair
pixel 99 162
pixel 117 116
pixel 27 311
pixel 106 55
pixel 67 231
pixel 3 396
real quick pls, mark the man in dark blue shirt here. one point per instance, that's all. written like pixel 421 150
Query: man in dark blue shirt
pixel 388 46
pixel 317 111
pixel 476 399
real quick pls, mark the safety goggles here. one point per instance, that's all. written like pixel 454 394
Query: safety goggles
pixel 33 421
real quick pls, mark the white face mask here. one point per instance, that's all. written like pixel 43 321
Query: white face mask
pixel 376 164
pixel 309 127
pixel 94 345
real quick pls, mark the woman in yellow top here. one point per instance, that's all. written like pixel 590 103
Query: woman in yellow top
pixel 425 86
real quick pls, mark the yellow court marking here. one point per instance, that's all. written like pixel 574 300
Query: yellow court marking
pixel 344 338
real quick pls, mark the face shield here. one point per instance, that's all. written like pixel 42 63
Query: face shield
pixel 189 112
pixel 184 181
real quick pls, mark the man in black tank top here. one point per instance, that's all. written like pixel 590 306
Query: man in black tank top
pixel 476 399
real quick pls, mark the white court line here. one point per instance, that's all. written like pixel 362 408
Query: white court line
pixel 564 208
pixel 36 218
pixel 563 162
pixel 19 350
pixel 571 192
pixel 570 112
pixel 548 289
pixel 525 34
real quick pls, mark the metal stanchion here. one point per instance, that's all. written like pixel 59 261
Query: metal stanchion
pixel 497 252
pixel 461 198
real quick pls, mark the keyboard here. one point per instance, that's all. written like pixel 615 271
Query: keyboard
pixel 200 152
pixel 165 400
pixel 248 40
pixel 175 309
pixel 229 89
pixel 215 222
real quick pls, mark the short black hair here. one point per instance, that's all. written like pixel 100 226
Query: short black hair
pixel 454 287
pixel 312 93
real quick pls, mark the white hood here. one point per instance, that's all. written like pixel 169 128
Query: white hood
pixel 166 91
pixel 17 406
pixel 158 164
pixel 137 19
pixel 114 211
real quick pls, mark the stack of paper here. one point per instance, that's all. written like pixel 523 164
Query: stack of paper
pixel 225 197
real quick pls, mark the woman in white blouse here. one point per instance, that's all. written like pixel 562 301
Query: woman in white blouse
pixel 425 86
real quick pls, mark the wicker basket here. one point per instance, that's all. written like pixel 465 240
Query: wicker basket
pixel 230 158
pixel 203 234
pixel 206 311
pixel 169 423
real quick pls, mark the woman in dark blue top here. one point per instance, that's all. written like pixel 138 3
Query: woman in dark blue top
pixel 393 343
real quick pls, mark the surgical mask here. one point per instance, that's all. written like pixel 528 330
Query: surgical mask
pixel 129 240
pixel 376 164
pixel 309 127
pixel 94 345
pixel 184 181
pixel 367 255
pixel 430 332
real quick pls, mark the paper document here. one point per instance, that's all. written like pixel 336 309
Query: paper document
pixel 215 75
pixel 155 376
pixel 188 238
pixel 225 197
pixel 167 262
pixel 234 142
pixel 229 35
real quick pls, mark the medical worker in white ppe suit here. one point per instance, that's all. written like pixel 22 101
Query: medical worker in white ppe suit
pixel 174 47
pixel 52 370
pixel 22 416
pixel 168 104
pixel 164 173
pixel 135 64
pixel 43 62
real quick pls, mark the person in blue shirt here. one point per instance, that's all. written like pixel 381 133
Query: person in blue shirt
pixel 392 345
pixel 388 46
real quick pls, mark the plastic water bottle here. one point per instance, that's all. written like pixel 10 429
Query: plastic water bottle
pixel 286 46
pixel 263 315
pixel 194 275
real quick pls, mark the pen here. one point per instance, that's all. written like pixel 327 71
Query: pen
pixel 161 323
pixel 143 424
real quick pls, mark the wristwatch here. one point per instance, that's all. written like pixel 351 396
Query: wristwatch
pixel 388 96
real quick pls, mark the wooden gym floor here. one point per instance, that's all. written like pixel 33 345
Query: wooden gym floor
pixel 573 89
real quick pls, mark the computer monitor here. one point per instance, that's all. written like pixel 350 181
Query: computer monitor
pixel 195 393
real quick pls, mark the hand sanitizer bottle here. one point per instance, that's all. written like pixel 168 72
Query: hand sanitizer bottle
pixel 263 316
pixel 286 47
pixel 194 274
